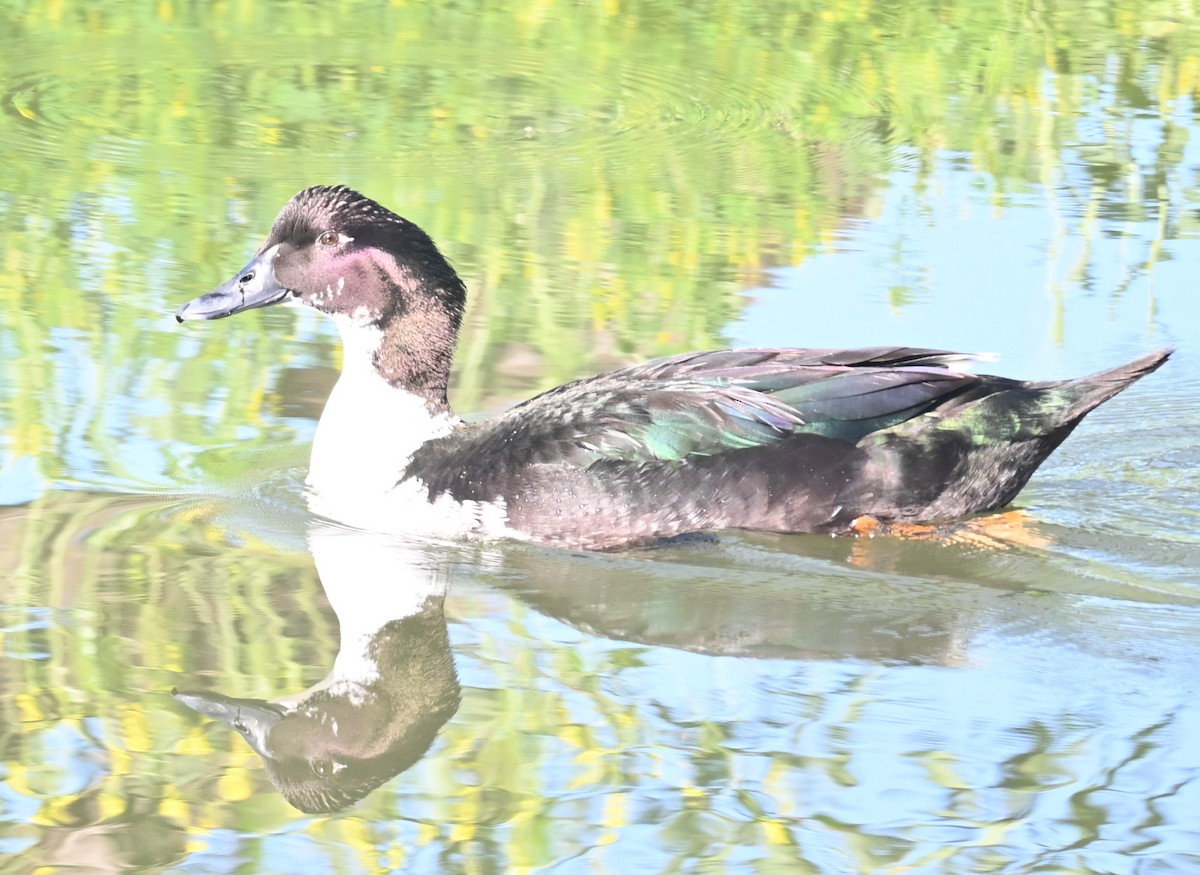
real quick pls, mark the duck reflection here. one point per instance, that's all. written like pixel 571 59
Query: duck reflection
pixel 738 598
pixel 392 687
pixel 393 684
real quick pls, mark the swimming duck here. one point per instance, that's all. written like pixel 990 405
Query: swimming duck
pixel 783 440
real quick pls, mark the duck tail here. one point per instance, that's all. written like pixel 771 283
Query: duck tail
pixel 1087 393
pixel 978 457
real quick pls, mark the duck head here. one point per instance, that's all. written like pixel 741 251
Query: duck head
pixel 392 293
pixel 331 745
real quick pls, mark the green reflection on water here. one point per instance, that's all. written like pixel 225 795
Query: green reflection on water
pixel 607 177
pixel 574 734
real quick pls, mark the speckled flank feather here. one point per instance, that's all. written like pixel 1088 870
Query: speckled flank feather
pixel 800 440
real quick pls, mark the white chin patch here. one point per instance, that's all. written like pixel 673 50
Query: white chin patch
pixel 363 316
pixel 361 338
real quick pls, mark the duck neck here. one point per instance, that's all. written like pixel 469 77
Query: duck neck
pixel 415 348
pixel 385 405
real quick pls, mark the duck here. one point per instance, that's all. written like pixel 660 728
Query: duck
pixel 787 440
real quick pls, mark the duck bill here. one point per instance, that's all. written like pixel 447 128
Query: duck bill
pixel 254 286
pixel 253 718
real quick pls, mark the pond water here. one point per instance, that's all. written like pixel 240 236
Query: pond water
pixel 614 182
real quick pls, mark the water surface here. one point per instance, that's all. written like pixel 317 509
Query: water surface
pixel 613 182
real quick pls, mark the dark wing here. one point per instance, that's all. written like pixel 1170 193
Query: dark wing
pixel 699 405
pixel 714 402
pixel 744 361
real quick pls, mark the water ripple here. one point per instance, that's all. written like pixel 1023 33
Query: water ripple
pixel 292 103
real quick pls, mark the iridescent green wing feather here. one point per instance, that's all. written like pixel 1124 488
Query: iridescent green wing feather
pixel 720 402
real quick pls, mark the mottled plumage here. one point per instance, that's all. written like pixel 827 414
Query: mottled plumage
pixel 796 440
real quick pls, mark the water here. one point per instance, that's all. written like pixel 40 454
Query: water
pixel 614 184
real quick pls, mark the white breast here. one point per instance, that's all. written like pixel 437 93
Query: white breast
pixel 367 435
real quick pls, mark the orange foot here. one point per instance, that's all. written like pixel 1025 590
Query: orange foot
pixel 996 531
pixel 868 526
pixel 865 526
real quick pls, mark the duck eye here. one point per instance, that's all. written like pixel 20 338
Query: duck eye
pixel 329 238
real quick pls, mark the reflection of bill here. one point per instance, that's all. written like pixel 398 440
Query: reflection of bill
pixel 392 687
pixel 394 684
